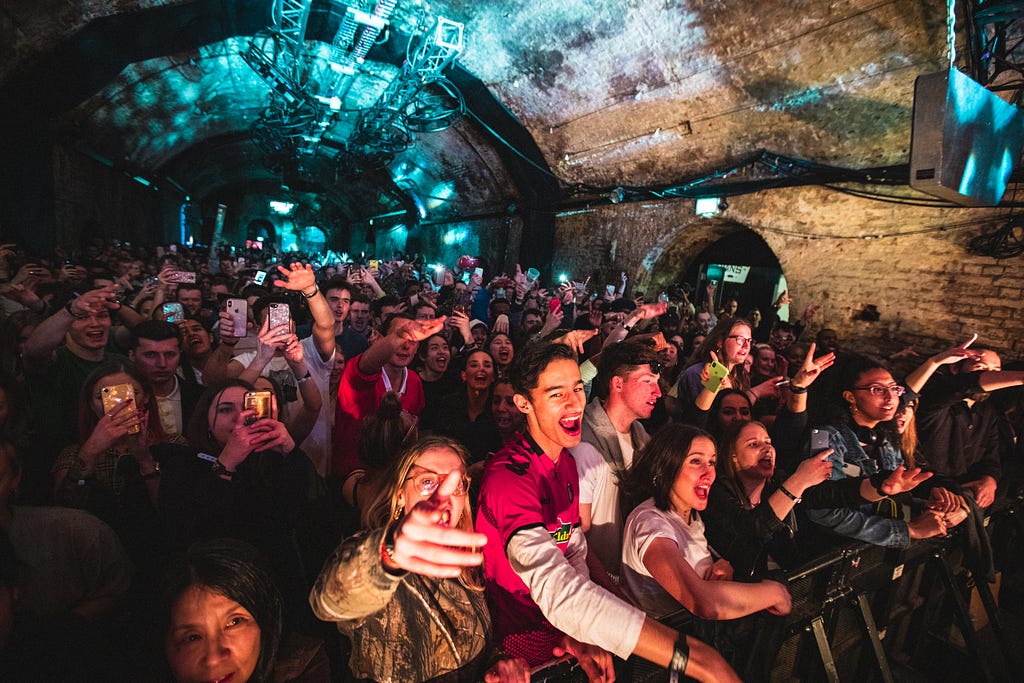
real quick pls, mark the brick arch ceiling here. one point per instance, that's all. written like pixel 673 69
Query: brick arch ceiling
pixel 601 92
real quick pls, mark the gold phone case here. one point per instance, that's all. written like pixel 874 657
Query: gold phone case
pixel 115 395
pixel 258 401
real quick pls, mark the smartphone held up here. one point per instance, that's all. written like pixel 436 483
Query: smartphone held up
pixel 115 395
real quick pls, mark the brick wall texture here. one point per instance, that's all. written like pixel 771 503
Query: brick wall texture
pixel 836 250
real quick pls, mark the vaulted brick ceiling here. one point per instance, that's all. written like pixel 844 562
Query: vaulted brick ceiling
pixel 612 93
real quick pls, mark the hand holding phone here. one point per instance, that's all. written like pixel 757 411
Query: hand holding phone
pixel 117 395
pixel 279 316
pixel 714 373
pixel 239 310
pixel 173 312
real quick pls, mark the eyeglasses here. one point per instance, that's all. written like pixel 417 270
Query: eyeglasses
pixel 741 340
pixel 881 392
pixel 428 482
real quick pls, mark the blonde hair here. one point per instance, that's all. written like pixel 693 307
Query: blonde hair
pixel 386 507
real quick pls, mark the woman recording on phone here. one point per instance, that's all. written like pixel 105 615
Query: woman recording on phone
pixel 245 478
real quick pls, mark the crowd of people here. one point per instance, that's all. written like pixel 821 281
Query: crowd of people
pixel 224 464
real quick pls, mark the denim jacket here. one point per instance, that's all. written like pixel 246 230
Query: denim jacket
pixel 860 523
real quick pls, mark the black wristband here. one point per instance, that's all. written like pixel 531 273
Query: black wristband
pixel 786 492
pixel 316 290
pixel 877 480
pixel 218 468
pixel 794 389
pixel 67 307
pixel 680 658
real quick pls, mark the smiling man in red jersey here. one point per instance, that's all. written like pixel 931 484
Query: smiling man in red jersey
pixel 543 601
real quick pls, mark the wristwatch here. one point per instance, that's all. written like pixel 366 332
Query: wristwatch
pixel 218 468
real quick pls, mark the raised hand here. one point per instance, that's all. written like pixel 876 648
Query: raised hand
pixel 767 388
pixel 501 324
pixel 239 444
pixel 94 301
pixel 648 311
pixel 903 479
pixel 520 276
pixel 958 353
pixel 292 349
pixel 705 373
pixel 813 470
pixel 418 330
pixel 298 277
pixel 270 435
pixel 575 339
pixel 812 367
pixel 425 545
pixel 112 427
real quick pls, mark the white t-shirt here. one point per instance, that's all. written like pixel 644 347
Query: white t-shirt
pixel 645 524
pixel 170 410
pixel 600 489
pixel 317 445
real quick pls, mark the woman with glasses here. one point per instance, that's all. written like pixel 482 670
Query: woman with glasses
pixel 728 344
pixel 864 443
pixel 415 569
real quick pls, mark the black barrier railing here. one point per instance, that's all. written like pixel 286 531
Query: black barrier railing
pixel 854 607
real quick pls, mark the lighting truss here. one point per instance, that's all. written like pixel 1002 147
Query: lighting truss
pixel 995 36
pixel 411 101
pixel 304 101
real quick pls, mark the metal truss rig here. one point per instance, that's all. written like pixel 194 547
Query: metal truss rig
pixel 303 107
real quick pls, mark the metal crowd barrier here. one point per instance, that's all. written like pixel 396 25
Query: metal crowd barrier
pixel 854 607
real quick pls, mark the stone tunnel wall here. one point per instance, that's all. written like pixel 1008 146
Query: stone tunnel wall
pixel 928 290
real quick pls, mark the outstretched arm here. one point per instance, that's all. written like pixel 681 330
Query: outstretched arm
pixel 301 278
pixel 917 379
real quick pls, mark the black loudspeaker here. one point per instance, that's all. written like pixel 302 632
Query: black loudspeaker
pixel 965 140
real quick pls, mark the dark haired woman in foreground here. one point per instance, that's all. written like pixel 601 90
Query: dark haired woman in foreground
pixel 223 620
pixel 666 561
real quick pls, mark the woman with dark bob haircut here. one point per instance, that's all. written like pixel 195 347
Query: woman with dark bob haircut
pixel 666 561
pixel 221 614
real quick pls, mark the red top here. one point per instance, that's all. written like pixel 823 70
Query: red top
pixel 522 488
pixel 359 397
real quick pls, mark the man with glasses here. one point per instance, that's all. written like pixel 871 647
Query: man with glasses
pixel 625 392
